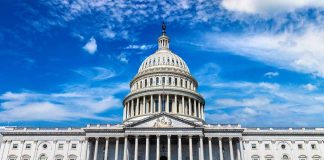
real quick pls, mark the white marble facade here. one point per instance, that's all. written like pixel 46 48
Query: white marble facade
pixel 163 119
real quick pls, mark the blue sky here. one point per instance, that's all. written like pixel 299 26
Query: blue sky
pixel 69 63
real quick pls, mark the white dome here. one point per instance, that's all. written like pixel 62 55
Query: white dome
pixel 163 58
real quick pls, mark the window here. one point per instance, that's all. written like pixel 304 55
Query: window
pixel 254 146
pixel 151 81
pixel 269 157
pixel 12 157
pixel 163 80
pixel 267 146
pixel 302 157
pixel 60 146
pixel 15 146
pixel 313 146
pixel 44 146
pixel 300 146
pixel 73 157
pixel 176 81
pixel 43 157
pixel 283 146
pixel 316 157
pixel 255 157
pixel 74 146
pixel 157 81
pixel 28 146
pixel 59 157
pixel 169 80
pixel 25 157
pixel 285 157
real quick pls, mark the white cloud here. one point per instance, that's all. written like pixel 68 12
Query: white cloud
pixel 74 103
pixel 310 87
pixel 97 73
pixel 140 47
pixel 270 6
pixel 122 57
pixel 91 46
pixel 298 51
pixel 264 104
pixel 271 74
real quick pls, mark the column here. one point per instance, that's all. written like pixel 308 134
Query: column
pixel 95 155
pixel 231 147
pixel 220 148
pixel 126 148
pixel 22 148
pixel 157 147
pixel 132 108
pixel 202 111
pixel 54 149
pixel 128 107
pixel 68 148
pixel 175 104
pixel 195 108
pixel 199 110
pixel 201 148
pixel 183 105
pixel 116 149
pixel 137 106
pixel 136 148
pixel 210 148
pixel 238 153
pixel 241 148
pixel 160 102
pixel 190 148
pixel 124 112
pixel 190 107
pixel 167 104
pixel 179 148
pixel 106 148
pixel 152 104
pixel 147 147
pixel 144 105
pixel 169 147
pixel 86 150
pixel 3 145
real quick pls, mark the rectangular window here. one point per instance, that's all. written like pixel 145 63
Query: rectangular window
pixel 60 146
pixel 313 146
pixel 15 146
pixel 254 146
pixel 300 146
pixel 28 146
pixel 74 146
pixel 267 146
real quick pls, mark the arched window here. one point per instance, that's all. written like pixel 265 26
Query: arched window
pixel 43 157
pixel 73 157
pixel 268 157
pixel 157 81
pixel 285 157
pixel 151 81
pixel 302 157
pixel 175 81
pixel 145 82
pixel 170 81
pixel 181 82
pixel 12 157
pixel 141 84
pixel 25 157
pixel 163 80
pixel 59 157
pixel 255 157
pixel 316 157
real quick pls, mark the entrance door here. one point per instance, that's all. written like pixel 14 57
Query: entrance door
pixel 163 158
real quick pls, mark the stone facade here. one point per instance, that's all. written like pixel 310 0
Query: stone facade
pixel 163 118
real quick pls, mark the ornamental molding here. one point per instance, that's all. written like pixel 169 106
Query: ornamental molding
pixel 163 122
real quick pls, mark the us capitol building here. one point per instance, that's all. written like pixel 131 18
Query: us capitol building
pixel 163 119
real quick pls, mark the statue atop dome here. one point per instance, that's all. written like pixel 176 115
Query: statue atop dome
pixel 163 28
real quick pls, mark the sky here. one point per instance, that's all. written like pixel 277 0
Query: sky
pixel 64 63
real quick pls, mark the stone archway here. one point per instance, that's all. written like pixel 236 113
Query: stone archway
pixel 163 158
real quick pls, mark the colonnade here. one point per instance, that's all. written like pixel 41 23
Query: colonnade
pixel 168 103
pixel 239 154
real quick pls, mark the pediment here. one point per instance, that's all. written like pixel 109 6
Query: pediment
pixel 163 120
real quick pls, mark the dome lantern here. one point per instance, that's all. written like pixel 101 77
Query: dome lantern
pixel 163 39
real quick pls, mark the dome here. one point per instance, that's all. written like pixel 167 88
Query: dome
pixel 163 58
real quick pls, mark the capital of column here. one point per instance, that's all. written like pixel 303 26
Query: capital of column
pixel 210 138
pixel 220 138
pixel 169 135
pixel 230 138
pixel 147 136
pixel 107 138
